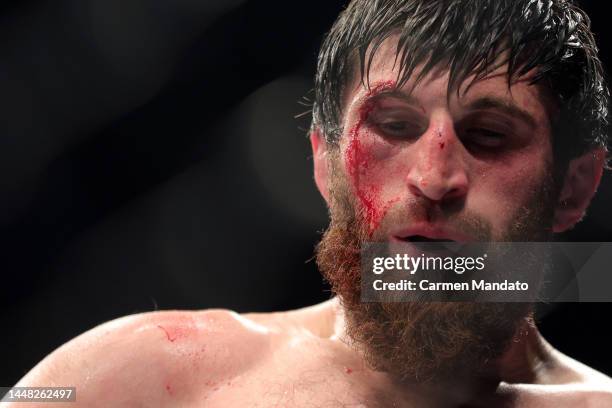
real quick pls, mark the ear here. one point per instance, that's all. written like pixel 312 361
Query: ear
pixel 580 183
pixel 319 157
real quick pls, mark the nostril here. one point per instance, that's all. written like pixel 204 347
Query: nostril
pixel 415 190
pixel 453 193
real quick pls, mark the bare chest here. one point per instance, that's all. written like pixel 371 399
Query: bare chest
pixel 323 387
pixel 326 374
pixel 304 375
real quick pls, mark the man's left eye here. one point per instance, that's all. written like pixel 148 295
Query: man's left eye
pixel 483 137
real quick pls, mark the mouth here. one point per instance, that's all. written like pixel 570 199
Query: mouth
pixel 431 240
pixel 421 238
pixel 428 235
pixel 430 245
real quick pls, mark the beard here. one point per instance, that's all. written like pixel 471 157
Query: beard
pixel 425 341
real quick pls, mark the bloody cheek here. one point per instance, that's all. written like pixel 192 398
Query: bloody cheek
pixel 359 163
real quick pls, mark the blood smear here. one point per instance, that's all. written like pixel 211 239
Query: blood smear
pixel 358 161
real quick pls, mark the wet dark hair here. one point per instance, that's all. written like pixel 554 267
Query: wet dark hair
pixel 473 37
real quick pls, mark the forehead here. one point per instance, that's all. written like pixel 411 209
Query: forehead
pixel 431 90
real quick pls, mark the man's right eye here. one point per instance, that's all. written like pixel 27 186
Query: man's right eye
pixel 400 130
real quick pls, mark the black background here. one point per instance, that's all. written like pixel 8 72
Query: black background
pixel 150 159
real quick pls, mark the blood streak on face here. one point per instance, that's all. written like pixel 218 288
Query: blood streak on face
pixel 358 160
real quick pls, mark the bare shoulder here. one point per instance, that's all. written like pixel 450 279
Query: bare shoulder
pixel 590 387
pixel 585 394
pixel 567 383
pixel 153 356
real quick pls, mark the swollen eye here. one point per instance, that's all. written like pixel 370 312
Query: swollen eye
pixel 485 137
pixel 399 129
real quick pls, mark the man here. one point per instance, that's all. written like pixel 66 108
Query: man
pixel 433 120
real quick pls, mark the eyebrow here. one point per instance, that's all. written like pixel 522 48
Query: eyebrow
pixel 504 106
pixel 483 103
pixel 395 93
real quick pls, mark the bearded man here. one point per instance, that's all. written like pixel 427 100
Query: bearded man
pixel 461 120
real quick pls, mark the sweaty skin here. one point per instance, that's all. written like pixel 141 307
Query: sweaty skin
pixel 218 358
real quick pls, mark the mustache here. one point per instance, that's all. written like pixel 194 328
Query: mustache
pixel 420 210
pixel 531 221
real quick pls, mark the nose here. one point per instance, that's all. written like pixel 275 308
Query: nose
pixel 438 171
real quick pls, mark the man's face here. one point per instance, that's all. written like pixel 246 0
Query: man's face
pixel 442 166
pixel 474 167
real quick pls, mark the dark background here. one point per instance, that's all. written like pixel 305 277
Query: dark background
pixel 150 159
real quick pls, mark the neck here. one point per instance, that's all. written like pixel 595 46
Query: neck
pixel 525 357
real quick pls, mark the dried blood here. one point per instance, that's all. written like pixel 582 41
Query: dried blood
pixel 358 160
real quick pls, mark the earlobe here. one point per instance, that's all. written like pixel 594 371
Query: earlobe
pixel 579 185
pixel 319 157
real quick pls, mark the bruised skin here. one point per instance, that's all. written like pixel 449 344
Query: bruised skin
pixel 359 160
pixel 365 158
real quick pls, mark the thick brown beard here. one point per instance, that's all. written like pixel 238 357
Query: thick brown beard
pixel 425 341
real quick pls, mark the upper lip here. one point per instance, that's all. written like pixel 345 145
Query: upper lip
pixel 432 232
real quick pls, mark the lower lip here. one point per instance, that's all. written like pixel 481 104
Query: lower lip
pixel 456 239
pixel 440 248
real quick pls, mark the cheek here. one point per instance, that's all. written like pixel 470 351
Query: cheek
pixel 499 190
pixel 371 168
